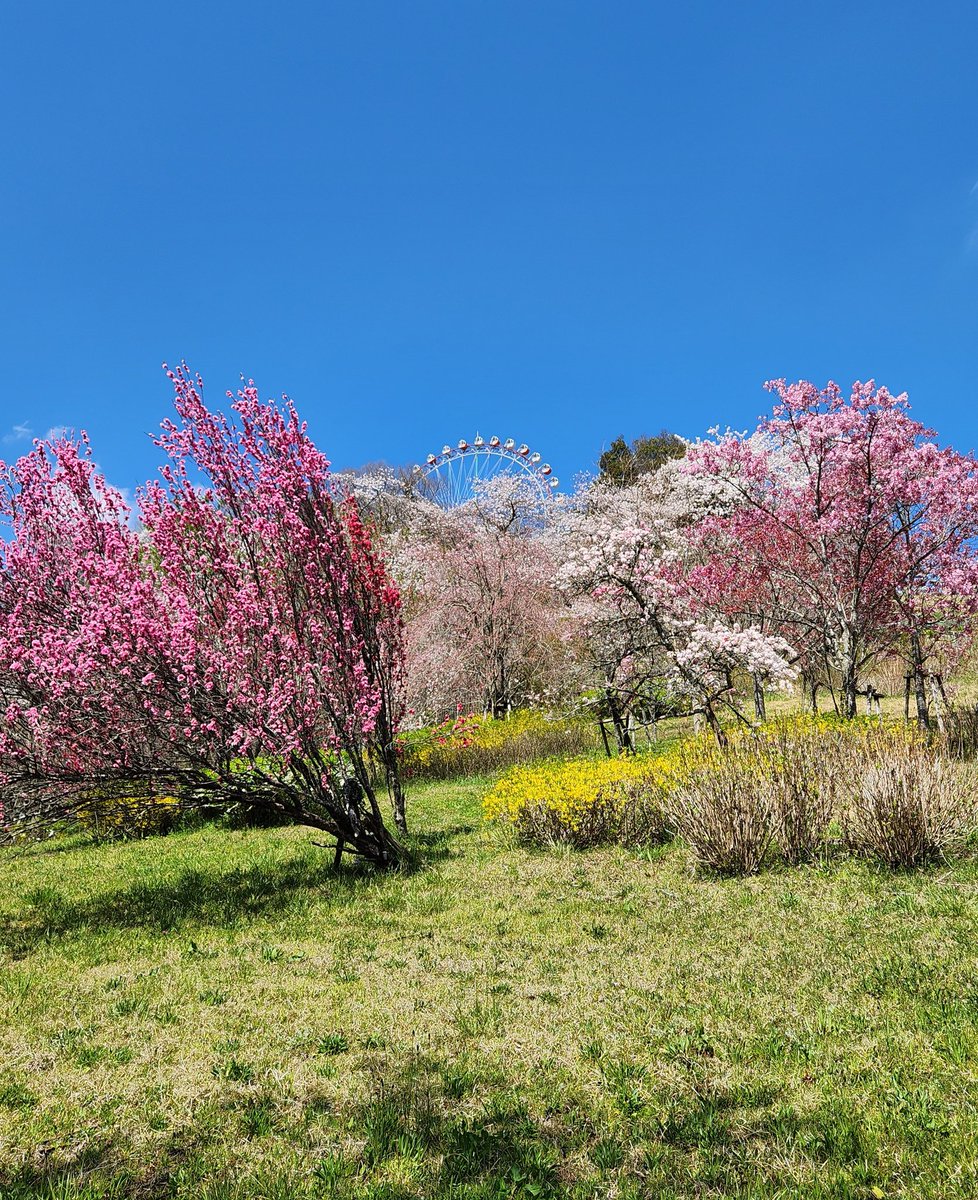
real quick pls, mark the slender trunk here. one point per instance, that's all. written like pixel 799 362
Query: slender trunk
pixel 713 721
pixel 936 696
pixel 809 691
pixel 850 682
pixel 621 729
pixel 397 800
pixel 604 736
pixel 848 695
pixel 919 680
pixel 760 710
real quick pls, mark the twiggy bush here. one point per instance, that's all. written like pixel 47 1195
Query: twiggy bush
pixel 723 808
pixel 801 770
pixel 908 806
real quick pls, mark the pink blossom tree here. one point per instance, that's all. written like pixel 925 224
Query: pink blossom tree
pixel 482 610
pixel 848 523
pixel 246 646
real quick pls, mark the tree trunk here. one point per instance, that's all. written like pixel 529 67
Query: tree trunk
pixel 621 728
pixel 850 682
pixel 760 709
pixel 919 680
pixel 397 802
pixel 718 731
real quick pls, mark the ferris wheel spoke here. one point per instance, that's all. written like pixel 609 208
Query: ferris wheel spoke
pixel 456 475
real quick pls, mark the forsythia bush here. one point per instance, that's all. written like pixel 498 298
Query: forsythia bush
pixel 584 802
pixel 471 744
pixel 790 788
pixel 129 816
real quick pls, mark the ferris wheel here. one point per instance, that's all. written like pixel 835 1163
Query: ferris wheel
pixel 453 477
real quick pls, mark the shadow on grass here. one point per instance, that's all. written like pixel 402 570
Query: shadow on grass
pixel 414 1137
pixel 199 896
pixel 437 845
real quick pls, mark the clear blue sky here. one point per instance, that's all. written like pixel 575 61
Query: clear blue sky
pixel 560 221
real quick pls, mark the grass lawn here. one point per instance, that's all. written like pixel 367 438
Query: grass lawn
pixel 216 1014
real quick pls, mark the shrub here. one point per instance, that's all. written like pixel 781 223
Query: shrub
pixel 723 807
pixel 908 807
pixel 473 745
pixel 800 766
pixel 128 816
pixel 895 796
pixel 583 802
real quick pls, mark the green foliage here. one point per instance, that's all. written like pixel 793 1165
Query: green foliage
pixel 622 463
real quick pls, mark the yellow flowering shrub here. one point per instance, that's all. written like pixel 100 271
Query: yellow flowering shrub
pixel 583 802
pixel 471 744
pixel 774 789
pixel 129 816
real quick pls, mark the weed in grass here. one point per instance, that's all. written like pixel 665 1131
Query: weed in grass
pixel 93 1055
pixel 233 1070
pixel 481 1019
pixel 607 1154
pixel 624 1082
pixel 333 1043
pixel 458 1081
pixel 592 1051
pixel 130 1006
pixel 332 1170
pixel 15 1095
pixel 258 1118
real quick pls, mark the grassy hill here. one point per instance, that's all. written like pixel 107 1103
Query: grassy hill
pixel 217 1014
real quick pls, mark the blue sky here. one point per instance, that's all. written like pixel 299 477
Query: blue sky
pixel 557 221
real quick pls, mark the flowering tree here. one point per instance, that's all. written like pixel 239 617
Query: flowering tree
pixel 483 614
pixel 246 646
pixel 849 523
pixel 627 564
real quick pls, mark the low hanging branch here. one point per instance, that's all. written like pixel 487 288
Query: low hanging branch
pixel 245 647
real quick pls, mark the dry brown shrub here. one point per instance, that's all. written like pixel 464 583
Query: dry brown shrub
pixel 907 805
pixel 724 811
pixel 801 771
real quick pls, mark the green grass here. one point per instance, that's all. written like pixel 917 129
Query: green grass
pixel 217 1014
